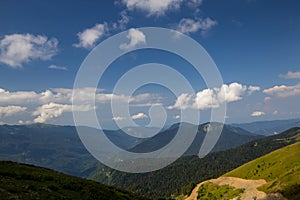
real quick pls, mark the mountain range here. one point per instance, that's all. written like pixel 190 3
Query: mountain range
pixel 60 148
pixel 50 146
pixel 55 147
pixel 230 137
pixel 269 127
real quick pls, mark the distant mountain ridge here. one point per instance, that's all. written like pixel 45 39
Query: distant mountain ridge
pixel 230 137
pixel 51 146
pixel 56 147
pixel 269 127
pixel 59 148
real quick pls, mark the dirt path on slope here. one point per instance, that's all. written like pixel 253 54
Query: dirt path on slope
pixel 194 193
pixel 250 187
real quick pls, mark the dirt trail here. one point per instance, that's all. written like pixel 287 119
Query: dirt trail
pixel 250 187
pixel 194 193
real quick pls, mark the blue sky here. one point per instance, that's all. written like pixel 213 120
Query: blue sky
pixel 255 45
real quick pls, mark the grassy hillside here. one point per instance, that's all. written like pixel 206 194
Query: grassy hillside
pixel 21 181
pixel 210 191
pixel 280 168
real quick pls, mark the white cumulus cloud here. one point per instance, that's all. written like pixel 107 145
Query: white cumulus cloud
pixel 252 89
pixel 206 99
pixel 194 3
pixel 290 75
pixel 17 97
pixel 152 7
pixel 54 110
pixel 232 92
pixel 267 99
pixel 184 101
pixel 159 7
pixel 257 113
pixel 187 25
pixel 118 118
pixel 52 103
pixel 177 117
pixel 121 23
pixel 58 67
pixel 136 37
pixel 10 110
pixel 16 49
pixel 139 116
pixel 210 98
pixel 90 36
pixel 65 95
pixel 283 90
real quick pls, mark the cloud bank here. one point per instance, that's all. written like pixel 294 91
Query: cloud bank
pixel 52 103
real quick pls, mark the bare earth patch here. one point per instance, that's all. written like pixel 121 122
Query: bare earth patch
pixel 194 193
pixel 251 192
